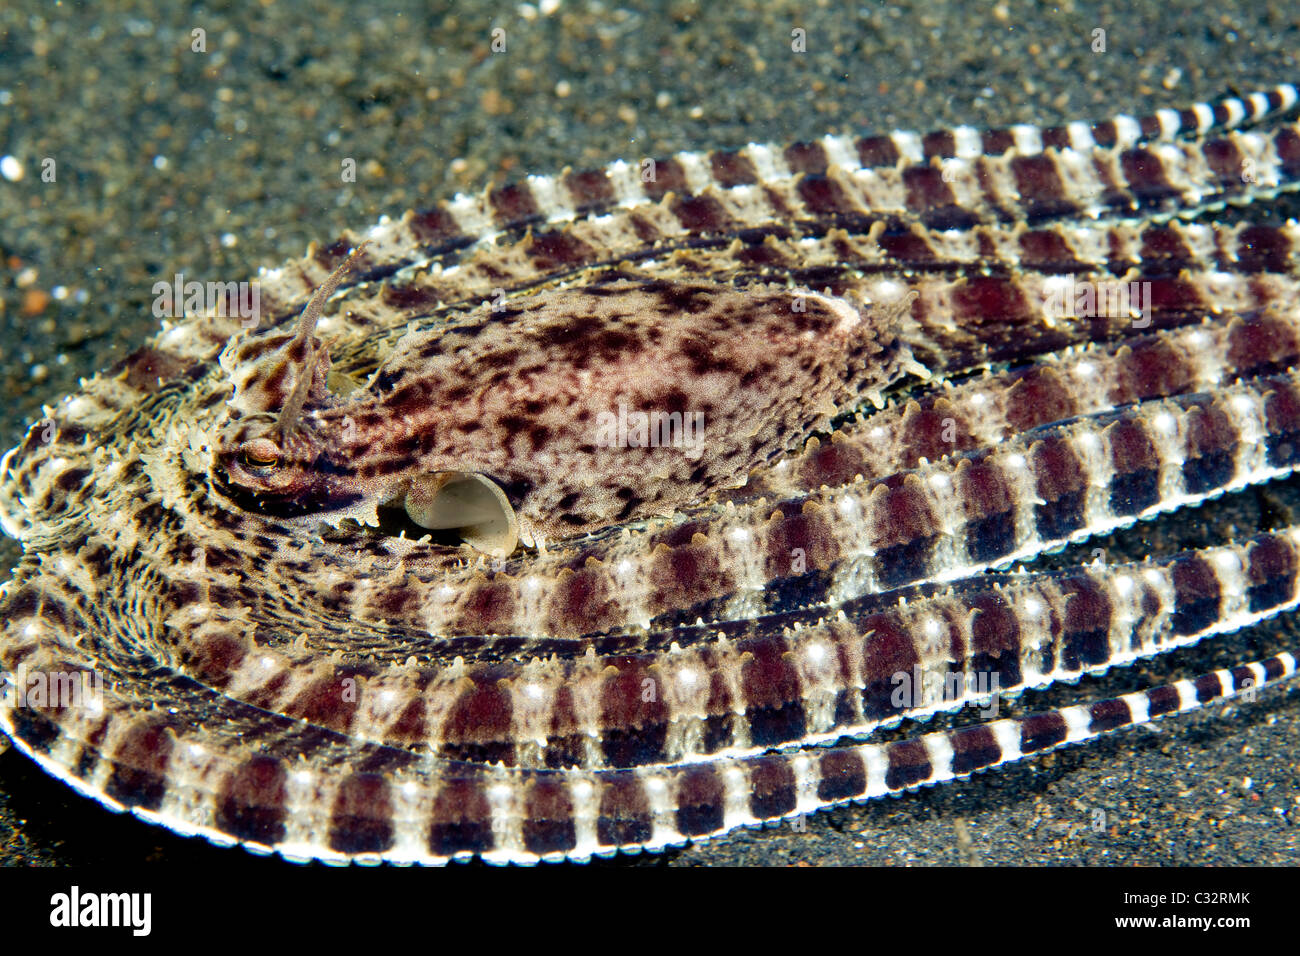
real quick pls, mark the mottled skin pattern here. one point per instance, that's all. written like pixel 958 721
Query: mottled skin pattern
pixel 518 393
pixel 285 668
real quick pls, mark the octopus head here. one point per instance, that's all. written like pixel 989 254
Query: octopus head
pixel 276 442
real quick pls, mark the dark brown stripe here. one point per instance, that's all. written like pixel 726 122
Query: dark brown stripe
pixel 1225 161
pixel 1272 574
pixel 1105 134
pixel 591 190
pixel 981 302
pixel 1164 245
pixel 702 214
pixel 1208 688
pixel 1041 731
pixel 633 711
pixel 1085 641
pixel 478 727
pixel 940 143
pixel 1263 249
pixel 700 800
pixel 825 197
pixel 361 820
pixel 996 142
pixel 331 256
pixel 326 702
pixel 513 205
pixel 1038 183
pixel 624 817
pixel 559 250
pixel 887 649
pixel 807 535
pixel 548 816
pixel 995 639
pixel 139 776
pixel 1150 368
pixel 1046 250
pixel 1211 449
pixel 769 682
pixel 843 775
pixel 437 227
pixel 904 530
pixel 1196 595
pixel 926 189
pixel 1282 412
pixel 666 176
pixel 251 804
pixel 1287 143
pixel 732 169
pixel 806 158
pixel 415 297
pixel 1144 172
pixel 1273 669
pixel 772 788
pixel 909 765
pixel 875 151
pixel 1107 715
pixel 909 248
pixel 1162 700
pixel 973 748
pixel 1135 484
pixel 990 511
pixel 461 820
pixel 148 368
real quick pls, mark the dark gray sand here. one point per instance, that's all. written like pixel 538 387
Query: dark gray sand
pixel 213 163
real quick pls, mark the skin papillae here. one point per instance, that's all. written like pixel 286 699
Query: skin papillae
pixel 695 638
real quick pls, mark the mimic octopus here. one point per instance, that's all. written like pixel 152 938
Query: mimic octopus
pixel 425 566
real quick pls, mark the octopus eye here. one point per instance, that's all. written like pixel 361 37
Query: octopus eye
pixel 260 453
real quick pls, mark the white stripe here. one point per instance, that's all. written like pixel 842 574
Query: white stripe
pixel 1186 695
pixel 1028 139
pixel 1007 735
pixel 696 167
pixel 586 808
pixel 507 822
pixel 908 145
pixel 626 182
pixel 736 810
pixel 1258 103
pixel 304 795
pixel 1078 723
pixel 550 200
pixel 1127 131
pixel 1236 112
pixel 1204 116
pixel 1139 707
pixel 967 142
pixel 805 784
pixel 939 747
pixel 1259 673
pixel 412 808
pixel 877 765
pixel 1169 123
pixel 1080 136
pixel 1289 96
pixel 471 217
pixel 841 152
pixel 769 164
pixel 663 820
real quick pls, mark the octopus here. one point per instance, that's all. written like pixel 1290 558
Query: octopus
pixel 624 508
